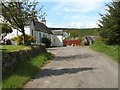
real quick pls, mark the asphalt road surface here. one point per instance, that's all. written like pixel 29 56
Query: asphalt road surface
pixel 77 67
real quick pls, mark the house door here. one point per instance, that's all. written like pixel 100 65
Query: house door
pixel 40 40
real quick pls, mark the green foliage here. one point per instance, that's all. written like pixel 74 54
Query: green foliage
pixel 49 55
pixel 12 48
pixel 80 38
pixel 19 14
pixel 82 32
pixel 110 24
pixel 24 11
pixel 5 28
pixel 29 39
pixel 24 72
pixel 74 34
pixel 111 50
pixel 46 41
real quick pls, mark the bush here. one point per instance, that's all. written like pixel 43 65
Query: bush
pixel 46 41
pixel 28 39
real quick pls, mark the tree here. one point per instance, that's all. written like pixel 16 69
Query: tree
pixel 18 14
pixel 5 30
pixel 46 41
pixel 110 24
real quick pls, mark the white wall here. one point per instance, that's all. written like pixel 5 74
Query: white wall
pixel 39 36
pixel 28 30
pixel 32 27
pixel 16 32
pixel 57 40
pixel 42 34
pixel 13 34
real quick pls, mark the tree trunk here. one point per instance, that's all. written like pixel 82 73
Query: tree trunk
pixel 24 38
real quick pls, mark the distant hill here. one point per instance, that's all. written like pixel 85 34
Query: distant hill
pixel 84 32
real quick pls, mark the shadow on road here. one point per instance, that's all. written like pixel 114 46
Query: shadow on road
pixel 57 72
pixel 72 57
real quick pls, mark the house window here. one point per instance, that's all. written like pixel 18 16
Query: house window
pixel 40 40
pixel 32 32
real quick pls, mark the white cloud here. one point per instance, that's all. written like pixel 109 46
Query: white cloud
pixel 83 6
pixel 78 13
pixel 74 24
pixel 84 17
pixel 73 0
pixel 82 25
pixel 50 24
pixel 91 25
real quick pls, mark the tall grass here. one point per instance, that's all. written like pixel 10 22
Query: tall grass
pixel 111 50
pixel 25 71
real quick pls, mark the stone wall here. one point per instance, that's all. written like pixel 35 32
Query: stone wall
pixel 11 59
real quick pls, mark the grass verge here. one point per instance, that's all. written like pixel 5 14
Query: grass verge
pixel 110 50
pixel 12 48
pixel 24 72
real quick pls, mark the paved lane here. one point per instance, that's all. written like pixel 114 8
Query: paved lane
pixel 77 67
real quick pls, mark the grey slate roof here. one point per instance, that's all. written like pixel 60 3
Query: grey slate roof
pixel 42 28
pixel 58 32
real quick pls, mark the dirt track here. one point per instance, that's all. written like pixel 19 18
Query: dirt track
pixel 77 67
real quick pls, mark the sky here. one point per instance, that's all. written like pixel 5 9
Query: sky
pixel 73 13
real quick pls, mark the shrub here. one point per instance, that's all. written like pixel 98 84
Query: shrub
pixel 28 38
pixel 46 41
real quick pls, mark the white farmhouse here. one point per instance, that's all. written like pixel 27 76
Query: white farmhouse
pixel 40 30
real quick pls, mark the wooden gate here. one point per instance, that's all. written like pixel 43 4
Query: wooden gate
pixel 71 42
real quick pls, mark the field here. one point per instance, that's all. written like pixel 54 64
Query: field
pixel 83 32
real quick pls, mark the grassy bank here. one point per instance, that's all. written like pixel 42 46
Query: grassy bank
pixel 12 48
pixel 110 50
pixel 25 71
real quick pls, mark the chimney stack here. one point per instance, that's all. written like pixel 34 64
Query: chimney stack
pixel 43 20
